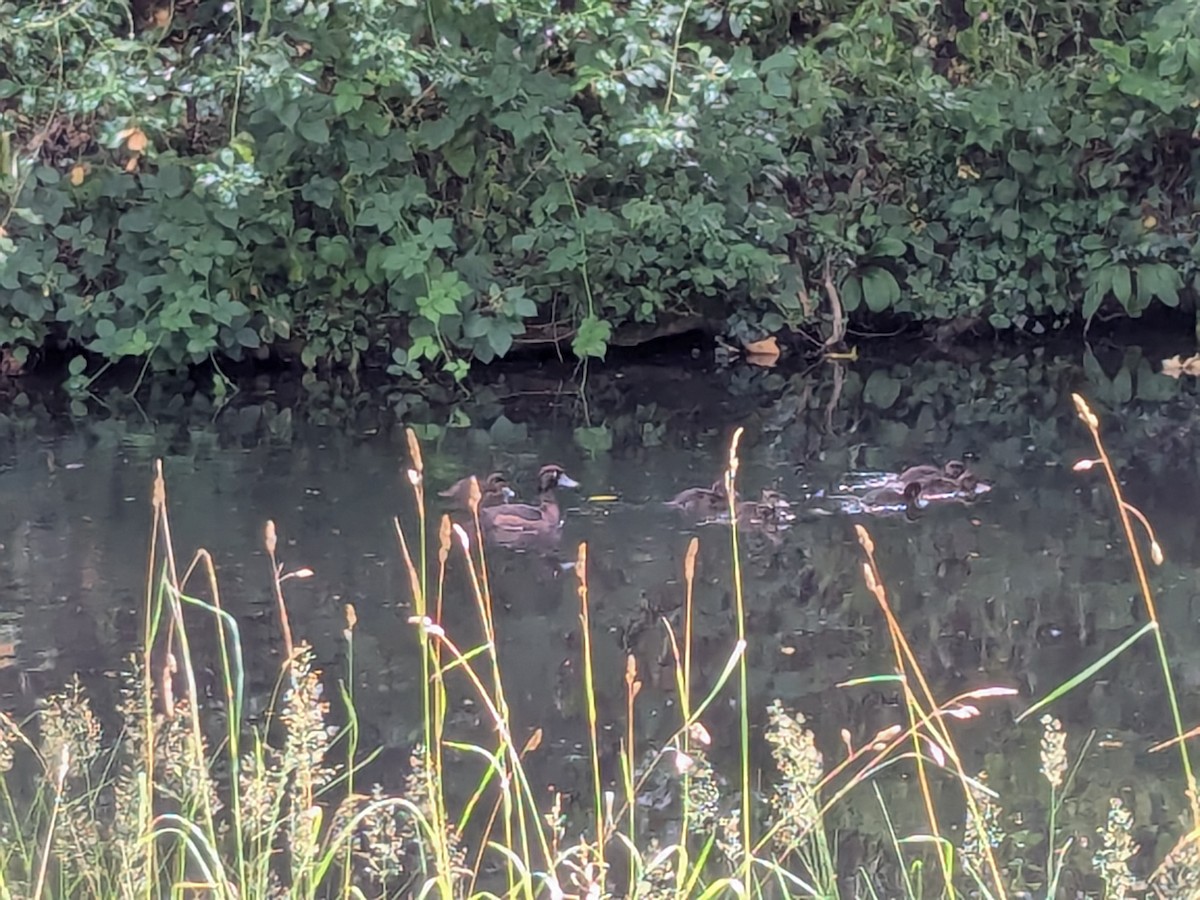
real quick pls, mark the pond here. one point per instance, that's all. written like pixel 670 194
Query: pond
pixel 1021 589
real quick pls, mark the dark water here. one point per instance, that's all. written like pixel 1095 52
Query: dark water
pixel 1021 589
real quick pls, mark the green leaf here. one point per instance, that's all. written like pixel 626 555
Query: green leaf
pixel 460 154
pixel 1122 287
pixel 499 338
pixel 1158 281
pixel 592 338
pixel 408 258
pixel 315 131
pixel 1021 161
pixel 320 190
pixel 782 61
pixel 880 289
pixel 888 246
pixel 1005 192
pixel 851 293
pixel 881 389
pixel 564 259
pixel 105 329
pixel 595 440
pixel 77 365
pixel 519 124
pixel 437 233
pixel 1092 298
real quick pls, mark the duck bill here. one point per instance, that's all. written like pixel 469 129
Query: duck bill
pixel 566 481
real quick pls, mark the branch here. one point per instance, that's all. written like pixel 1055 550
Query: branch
pixel 835 306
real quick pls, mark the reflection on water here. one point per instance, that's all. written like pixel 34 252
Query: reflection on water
pixel 1022 588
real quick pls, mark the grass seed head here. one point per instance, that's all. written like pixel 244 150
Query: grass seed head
pixel 1117 847
pixel 1053 751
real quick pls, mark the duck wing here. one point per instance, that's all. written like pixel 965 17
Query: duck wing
pixel 513 516
pixel 458 490
pixel 692 496
pixel 921 473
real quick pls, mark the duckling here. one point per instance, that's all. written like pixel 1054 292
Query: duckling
pixel 509 522
pixel 952 470
pixel 965 487
pixel 890 497
pixel 885 500
pixel 702 502
pixel 493 491
pixel 771 511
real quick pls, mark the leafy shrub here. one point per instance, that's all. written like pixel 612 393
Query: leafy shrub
pixel 430 183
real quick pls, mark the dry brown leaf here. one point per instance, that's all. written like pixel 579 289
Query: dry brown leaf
pixel 161 17
pixel 132 164
pixel 535 741
pixel 8 363
pixel 77 174
pixel 1177 365
pixel 763 353
pixel 765 346
pixel 136 141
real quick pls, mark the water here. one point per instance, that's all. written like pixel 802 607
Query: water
pixel 1021 589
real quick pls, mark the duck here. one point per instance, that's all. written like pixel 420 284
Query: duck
pixel 891 497
pixel 510 522
pixel 951 471
pixel 703 502
pixel 885 500
pixel 954 479
pixel 493 491
pixel 967 486
pixel 770 511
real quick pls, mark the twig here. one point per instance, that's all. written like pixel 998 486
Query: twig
pixel 835 306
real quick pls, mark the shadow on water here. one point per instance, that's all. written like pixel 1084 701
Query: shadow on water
pixel 1020 589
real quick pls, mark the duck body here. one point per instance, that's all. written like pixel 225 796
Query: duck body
pixel 859 481
pixel 510 523
pixel 493 491
pixel 954 481
pixel 951 471
pixel 770 512
pixel 965 487
pixel 702 502
pixel 889 499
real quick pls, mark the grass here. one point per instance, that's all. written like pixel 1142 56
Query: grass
pixel 195 797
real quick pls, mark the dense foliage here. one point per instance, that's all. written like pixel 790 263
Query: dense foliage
pixel 422 183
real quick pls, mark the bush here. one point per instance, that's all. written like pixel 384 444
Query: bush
pixel 416 184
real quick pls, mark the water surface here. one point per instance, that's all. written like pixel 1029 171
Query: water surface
pixel 1021 589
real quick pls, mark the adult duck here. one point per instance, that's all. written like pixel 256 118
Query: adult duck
pixel 514 523
pixel 702 502
pixel 493 491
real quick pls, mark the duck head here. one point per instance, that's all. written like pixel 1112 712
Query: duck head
pixel 554 476
pixel 496 485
